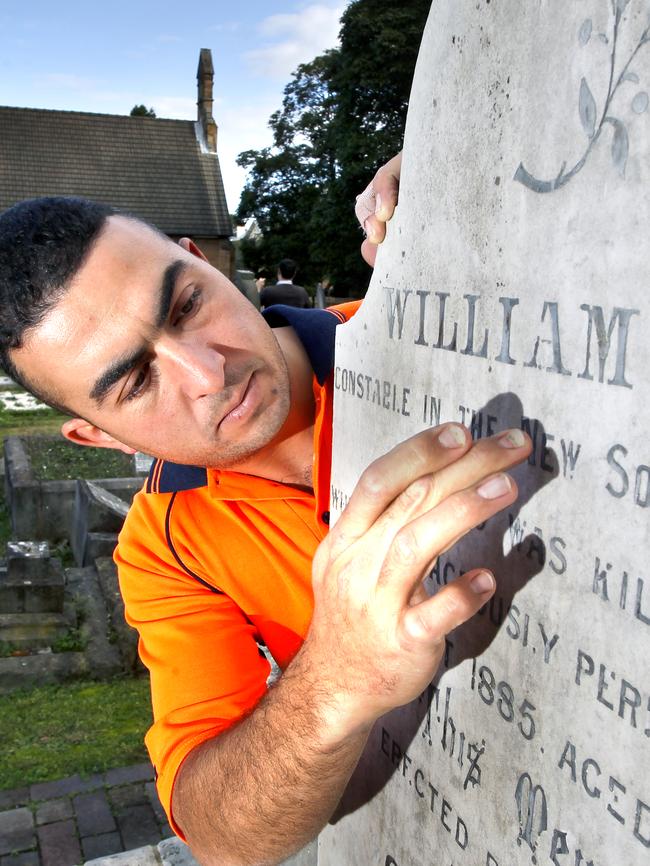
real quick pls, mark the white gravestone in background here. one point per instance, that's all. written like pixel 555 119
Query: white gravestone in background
pixel 514 290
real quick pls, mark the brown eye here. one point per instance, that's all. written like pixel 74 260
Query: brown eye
pixel 139 383
pixel 189 307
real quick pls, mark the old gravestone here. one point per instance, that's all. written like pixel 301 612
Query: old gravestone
pixel 514 290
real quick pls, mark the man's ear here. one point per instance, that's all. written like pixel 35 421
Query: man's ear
pixel 83 433
pixel 189 246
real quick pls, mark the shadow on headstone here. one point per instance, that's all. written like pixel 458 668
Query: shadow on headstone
pixel 482 547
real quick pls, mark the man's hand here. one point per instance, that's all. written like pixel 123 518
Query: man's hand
pixel 378 636
pixel 376 204
pixel 264 788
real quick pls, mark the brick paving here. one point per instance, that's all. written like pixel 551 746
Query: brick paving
pixel 70 821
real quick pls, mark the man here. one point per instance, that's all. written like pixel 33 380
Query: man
pixel 153 349
pixel 284 291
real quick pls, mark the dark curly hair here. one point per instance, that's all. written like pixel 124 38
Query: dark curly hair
pixel 43 243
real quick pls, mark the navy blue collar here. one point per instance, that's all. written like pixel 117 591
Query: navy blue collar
pixel 316 330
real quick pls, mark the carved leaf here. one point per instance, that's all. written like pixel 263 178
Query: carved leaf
pixel 620 146
pixel 640 102
pixel 631 76
pixel 585 32
pixel 587 109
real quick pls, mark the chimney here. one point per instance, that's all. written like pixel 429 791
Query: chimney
pixel 205 77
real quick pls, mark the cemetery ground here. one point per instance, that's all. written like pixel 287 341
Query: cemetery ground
pixel 75 782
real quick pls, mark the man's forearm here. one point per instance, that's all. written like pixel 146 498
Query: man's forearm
pixel 262 790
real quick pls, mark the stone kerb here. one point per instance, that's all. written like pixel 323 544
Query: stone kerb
pixel 173 852
pixel 45 509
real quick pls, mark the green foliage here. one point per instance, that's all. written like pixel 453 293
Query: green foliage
pixel 56 731
pixel 142 111
pixel 70 642
pixel 56 458
pixel 7 648
pixel 342 117
pixel 13 422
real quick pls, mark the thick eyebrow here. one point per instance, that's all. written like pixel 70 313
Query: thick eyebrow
pixel 121 366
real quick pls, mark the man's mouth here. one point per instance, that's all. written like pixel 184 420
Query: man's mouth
pixel 243 404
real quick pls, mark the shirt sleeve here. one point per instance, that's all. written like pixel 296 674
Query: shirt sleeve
pixel 206 669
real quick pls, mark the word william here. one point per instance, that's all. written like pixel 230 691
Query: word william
pixel 432 318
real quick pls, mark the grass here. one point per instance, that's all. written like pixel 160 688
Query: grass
pixel 52 732
pixel 33 421
pixel 58 459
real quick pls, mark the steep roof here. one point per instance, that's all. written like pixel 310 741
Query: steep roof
pixel 152 167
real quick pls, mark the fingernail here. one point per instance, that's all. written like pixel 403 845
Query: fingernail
pixel 483 582
pixel 512 439
pixel 452 436
pixel 377 204
pixel 494 487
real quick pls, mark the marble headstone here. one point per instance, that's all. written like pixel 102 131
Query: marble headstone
pixel 514 290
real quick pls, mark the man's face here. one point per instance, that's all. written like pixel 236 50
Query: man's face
pixel 157 348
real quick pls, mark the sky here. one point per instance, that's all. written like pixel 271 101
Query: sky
pixel 108 57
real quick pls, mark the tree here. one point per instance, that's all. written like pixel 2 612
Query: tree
pixel 142 111
pixel 342 116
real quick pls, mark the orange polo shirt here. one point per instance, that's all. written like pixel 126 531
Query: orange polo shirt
pixel 213 563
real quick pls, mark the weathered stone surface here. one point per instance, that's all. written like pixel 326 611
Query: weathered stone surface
pixel 69 786
pixel 26 858
pixel 54 810
pixel 147 856
pixel 101 846
pixel 13 797
pixel 93 813
pixel 16 830
pixel 127 637
pixel 25 671
pixel 32 629
pixel 45 509
pixel 59 844
pixel 173 852
pixel 513 291
pixel 142 772
pixel 102 656
pixel 138 826
pixel 307 857
pixel 32 582
pixel 98 517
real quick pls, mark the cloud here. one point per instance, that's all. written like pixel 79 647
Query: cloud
pixel 242 126
pixel 302 36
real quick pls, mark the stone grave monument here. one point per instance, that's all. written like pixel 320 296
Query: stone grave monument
pixel 514 290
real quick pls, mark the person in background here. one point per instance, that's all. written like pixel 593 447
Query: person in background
pixel 285 291
pixel 323 289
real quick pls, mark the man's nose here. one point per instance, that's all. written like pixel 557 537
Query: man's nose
pixel 192 365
